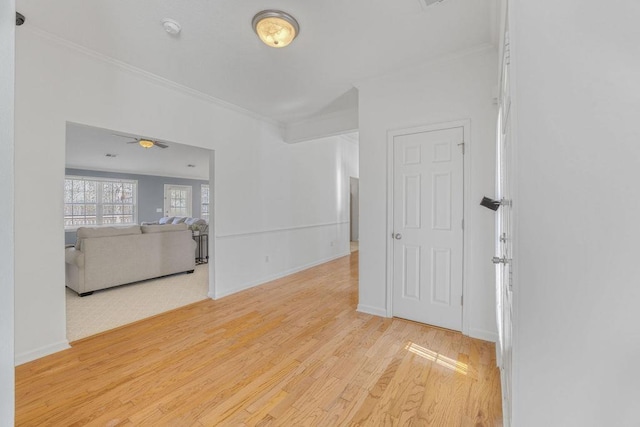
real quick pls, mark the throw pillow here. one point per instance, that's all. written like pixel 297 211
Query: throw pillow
pixel 166 220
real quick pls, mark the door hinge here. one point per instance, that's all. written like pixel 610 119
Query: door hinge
pixel 463 223
pixel 461 299
pixel 461 145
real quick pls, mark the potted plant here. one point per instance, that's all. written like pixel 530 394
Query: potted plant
pixel 195 229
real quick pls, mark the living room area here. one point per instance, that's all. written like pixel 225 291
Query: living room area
pixel 137 215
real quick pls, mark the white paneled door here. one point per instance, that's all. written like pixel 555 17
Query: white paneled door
pixel 427 227
pixel 504 236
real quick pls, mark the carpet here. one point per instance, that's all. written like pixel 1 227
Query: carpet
pixel 110 308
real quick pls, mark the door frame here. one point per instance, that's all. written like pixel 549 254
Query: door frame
pixel 465 124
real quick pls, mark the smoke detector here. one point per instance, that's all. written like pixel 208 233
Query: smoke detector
pixel 171 26
pixel 426 3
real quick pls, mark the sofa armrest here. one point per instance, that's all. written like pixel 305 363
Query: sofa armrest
pixel 74 257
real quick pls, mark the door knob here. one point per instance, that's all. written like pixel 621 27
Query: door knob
pixel 397 236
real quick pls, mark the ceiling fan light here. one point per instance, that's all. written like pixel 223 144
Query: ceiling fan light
pixel 145 143
pixel 275 28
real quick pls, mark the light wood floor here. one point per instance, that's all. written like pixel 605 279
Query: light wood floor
pixel 290 353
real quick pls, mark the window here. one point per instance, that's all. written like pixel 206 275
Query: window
pixel 204 202
pixel 99 201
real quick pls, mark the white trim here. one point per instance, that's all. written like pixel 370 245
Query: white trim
pixel 150 76
pixel 376 311
pixel 484 335
pixel 276 276
pixel 513 418
pixel 212 225
pixel 7 212
pixel 466 203
pixel 277 230
pixel 41 352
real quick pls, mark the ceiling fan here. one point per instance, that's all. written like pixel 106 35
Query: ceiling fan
pixel 143 142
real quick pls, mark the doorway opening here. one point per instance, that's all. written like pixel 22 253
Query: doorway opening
pixel 98 161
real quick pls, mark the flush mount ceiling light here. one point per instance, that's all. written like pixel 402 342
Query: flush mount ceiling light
pixel 146 143
pixel 275 28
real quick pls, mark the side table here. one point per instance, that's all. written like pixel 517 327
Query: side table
pixel 202 248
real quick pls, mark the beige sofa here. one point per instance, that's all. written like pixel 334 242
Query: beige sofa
pixel 107 256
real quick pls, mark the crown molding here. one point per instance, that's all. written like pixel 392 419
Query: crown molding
pixel 153 78
pixel 435 61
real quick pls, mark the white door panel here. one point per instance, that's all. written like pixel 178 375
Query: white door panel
pixel 504 238
pixel 427 220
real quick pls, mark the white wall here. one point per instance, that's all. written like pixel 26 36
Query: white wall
pixel 335 123
pixel 271 198
pixel 298 214
pixel 7 44
pixel 454 89
pixel 577 88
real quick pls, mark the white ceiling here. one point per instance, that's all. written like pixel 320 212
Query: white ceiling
pixel 217 53
pixel 87 148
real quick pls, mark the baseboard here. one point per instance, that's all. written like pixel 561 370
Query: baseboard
pixel 372 310
pixel 41 352
pixel 276 276
pixel 483 335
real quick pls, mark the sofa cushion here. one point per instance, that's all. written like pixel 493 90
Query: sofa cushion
pixel 166 220
pixel 146 229
pixel 179 220
pixel 91 232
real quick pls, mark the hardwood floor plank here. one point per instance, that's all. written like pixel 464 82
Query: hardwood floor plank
pixel 291 352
